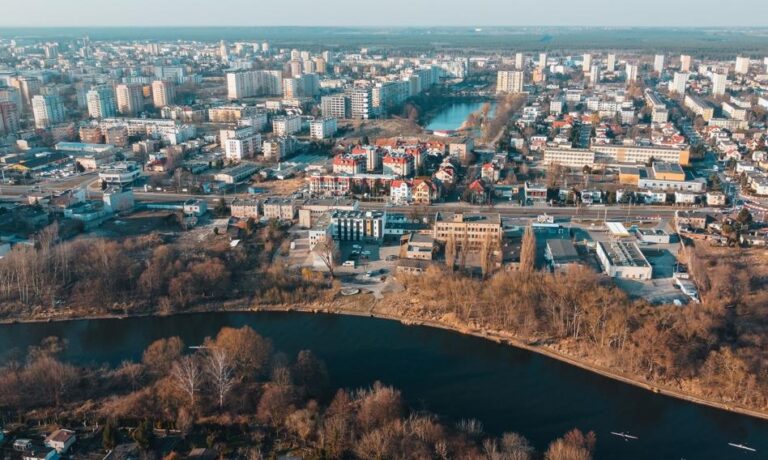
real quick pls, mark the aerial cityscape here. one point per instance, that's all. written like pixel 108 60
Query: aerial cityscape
pixel 328 238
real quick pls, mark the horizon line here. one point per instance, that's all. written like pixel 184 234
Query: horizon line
pixel 383 26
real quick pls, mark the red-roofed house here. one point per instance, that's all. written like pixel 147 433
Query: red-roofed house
pixel 400 192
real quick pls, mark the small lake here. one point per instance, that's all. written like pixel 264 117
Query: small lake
pixel 452 375
pixel 454 115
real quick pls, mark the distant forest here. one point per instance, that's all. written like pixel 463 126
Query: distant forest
pixel 701 42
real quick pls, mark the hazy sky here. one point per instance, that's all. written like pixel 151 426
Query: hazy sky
pixel 383 12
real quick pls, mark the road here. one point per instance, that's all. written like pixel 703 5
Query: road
pixel 505 209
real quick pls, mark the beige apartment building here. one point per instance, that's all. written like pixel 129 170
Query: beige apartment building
pixel 474 229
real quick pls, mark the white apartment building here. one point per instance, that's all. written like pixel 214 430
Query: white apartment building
pixel 572 158
pixel 678 83
pixel 47 110
pixel 632 73
pixel 239 143
pixel 130 99
pixel 360 103
pixel 101 102
pixel 163 93
pixel 685 63
pixel 509 81
pixel 719 83
pixel 658 63
pixel 610 63
pixel 699 106
pixel 322 128
pixel 252 83
pixel 639 154
pixel 742 65
pixel 586 63
pixel 286 125
pixel 168 130
pixel 335 106
pixel 519 60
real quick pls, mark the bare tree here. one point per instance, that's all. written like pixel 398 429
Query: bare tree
pixel 487 255
pixel 450 251
pixel 187 377
pixel 328 253
pixel 221 371
pixel 528 251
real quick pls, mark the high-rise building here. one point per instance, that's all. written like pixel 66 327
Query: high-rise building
pixel 101 102
pixel 631 71
pixel 47 110
pixel 286 125
pixel 719 82
pixel 51 50
pixel 386 95
pixel 594 74
pixel 174 73
pixel 321 65
pixel 11 94
pixel 295 68
pixel 685 63
pixel 335 106
pixel 586 62
pixel 742 65
pixel 658 63
pixel 610 63
pixel 163 93
pixel 360 103
pixel 9 118
pixel 253 83
pixel 519 61
pixel 677 85
pixel 29 87
pixel 322 128
pixel 509 81
pixel 307 85
pixel 542 60
pixel 130 99
pixel 240 143
pixel 309 66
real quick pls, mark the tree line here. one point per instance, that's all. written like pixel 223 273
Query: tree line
pixel 715 349
pixel 236 395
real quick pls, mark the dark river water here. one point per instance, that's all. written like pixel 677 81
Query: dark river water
pixel 449 374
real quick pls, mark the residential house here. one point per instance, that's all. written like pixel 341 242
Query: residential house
pixel 424 191
pixel 400 192
pixel 61 440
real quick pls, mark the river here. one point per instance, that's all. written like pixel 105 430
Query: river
pixel 452 375
pixel 454 115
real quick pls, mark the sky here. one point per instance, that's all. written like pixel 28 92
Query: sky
pixel 94 13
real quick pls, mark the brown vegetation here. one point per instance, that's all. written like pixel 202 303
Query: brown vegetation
pixel 706 350
pixel 146 273
pixel 267 405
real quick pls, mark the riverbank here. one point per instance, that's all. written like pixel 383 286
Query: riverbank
pixel 506 338
pixel 365 306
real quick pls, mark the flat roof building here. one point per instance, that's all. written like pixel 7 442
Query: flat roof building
pixel 621 259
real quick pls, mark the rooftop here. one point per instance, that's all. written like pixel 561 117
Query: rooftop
pixel 624 254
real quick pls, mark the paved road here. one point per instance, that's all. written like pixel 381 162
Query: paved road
pixel 505 209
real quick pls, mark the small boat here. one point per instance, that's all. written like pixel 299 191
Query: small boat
pixel 625 436
pixel 742 447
